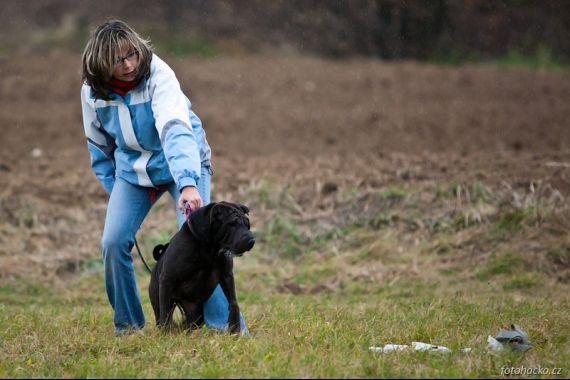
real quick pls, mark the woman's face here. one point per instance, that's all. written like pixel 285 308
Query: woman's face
pixel 126 64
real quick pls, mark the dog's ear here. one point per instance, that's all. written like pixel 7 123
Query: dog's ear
pixel 244 208
pixel 199 222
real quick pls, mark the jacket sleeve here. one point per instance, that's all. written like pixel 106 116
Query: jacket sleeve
pixel 172 113
pixel 100 144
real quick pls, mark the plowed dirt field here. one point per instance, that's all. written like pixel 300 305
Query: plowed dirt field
pixel 314 126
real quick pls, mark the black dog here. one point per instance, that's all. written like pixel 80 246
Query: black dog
pixel 197 258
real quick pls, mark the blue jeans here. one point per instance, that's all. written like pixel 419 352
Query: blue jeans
pixel 128 206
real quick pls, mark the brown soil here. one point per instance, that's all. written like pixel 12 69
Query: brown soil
pixel 316 125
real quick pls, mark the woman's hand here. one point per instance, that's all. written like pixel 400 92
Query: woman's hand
pixel 191 196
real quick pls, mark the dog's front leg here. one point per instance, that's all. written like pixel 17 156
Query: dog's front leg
pixel 228 286
pixel 166 303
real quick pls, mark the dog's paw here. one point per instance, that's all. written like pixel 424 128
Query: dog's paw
pixel 235 329
pixel 234 323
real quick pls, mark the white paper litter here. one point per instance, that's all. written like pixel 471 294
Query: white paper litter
pixel 416 346
pixel 494 344
pixel 389 348
pixel 419 346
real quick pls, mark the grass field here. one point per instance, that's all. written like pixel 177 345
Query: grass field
pixel 317 295
pixel 393 202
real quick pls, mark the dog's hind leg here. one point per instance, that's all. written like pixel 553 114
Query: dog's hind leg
pixel 193 314
pixel 153 292
pixel 166 305
pixel 155 308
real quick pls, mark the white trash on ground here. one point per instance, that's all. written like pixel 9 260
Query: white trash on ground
pixel 512 337
pixel 389 348
pixel 494 344
pixel 416 346
pixel 419 346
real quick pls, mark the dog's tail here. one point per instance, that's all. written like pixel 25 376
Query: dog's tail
pixel 159 250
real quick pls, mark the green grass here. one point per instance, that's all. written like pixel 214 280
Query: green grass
pixel 500 265
pixel 394 192
pixel 315 299
pixel 542 58
pixel 512 221
pixel 182 43
pixel 68 333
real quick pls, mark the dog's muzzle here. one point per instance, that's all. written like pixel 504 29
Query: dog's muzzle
pixel 248 242
pixel 245 244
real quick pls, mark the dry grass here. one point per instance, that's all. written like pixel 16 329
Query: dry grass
pixel 335 269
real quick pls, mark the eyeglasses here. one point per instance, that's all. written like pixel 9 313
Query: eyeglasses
pixel 130 57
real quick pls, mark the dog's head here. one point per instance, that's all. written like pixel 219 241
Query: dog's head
pixel 225 225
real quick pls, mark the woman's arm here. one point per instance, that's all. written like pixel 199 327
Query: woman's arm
pixel 101 146
pixel 171 110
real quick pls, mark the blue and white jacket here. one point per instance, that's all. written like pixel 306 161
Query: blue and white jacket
pixel 148 138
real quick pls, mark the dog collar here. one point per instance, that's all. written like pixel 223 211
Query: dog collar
pixel 193 232
pixel 187 211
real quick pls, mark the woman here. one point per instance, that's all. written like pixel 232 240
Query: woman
pixel 143 139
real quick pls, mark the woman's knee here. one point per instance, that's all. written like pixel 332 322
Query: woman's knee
pixel 115 244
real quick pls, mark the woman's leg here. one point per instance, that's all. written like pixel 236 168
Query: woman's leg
pixel 216 310
pixel 127 208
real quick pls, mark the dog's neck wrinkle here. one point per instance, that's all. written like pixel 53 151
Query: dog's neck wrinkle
pixel 200 239
pixel 197 236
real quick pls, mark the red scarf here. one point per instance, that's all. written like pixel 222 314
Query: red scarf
pixel 121 87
